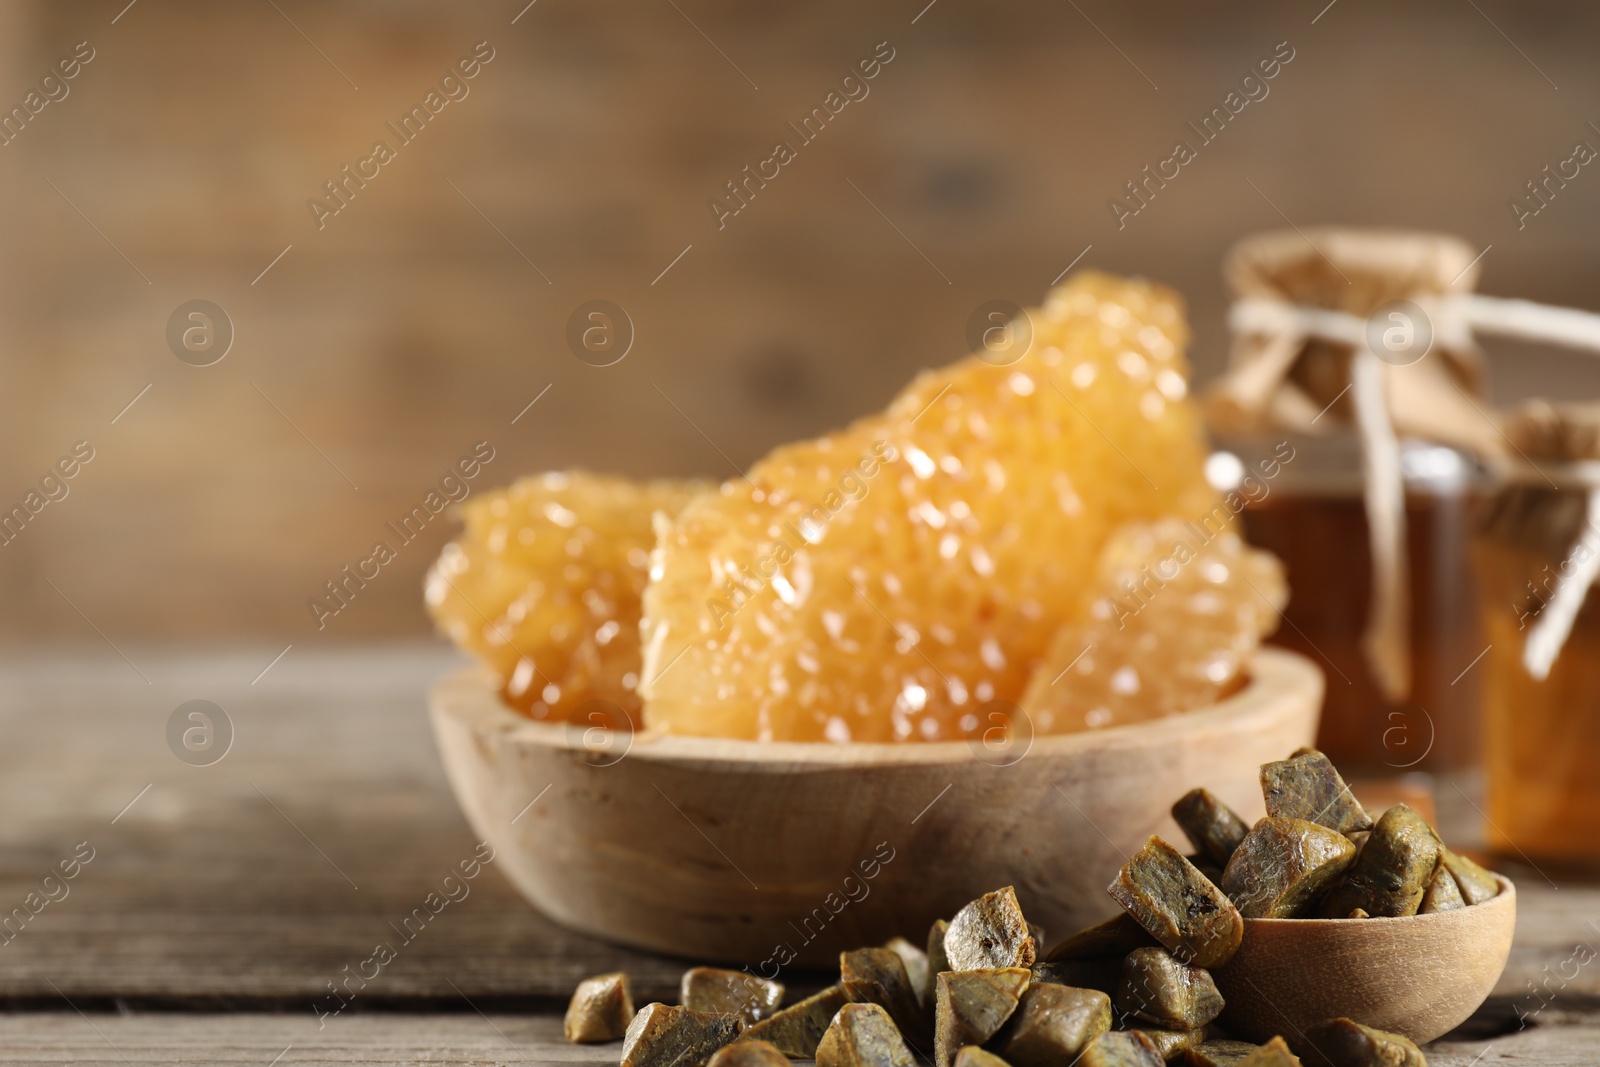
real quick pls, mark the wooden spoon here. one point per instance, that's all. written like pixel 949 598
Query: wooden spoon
pixel 1419 975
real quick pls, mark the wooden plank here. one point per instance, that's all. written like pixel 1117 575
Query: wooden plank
pixel 465 1038
pixel 239 881
pixel 469 1038
pixel 228 883
pixel 404 330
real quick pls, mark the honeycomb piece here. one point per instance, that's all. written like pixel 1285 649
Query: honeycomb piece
pixel 543 586
pixel 898 580
pixel 1178 605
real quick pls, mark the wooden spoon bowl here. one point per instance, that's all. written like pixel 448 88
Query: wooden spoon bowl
pixel 779 853
pixel 1420 975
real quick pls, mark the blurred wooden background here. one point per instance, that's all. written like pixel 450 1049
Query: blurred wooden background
pixel 407 329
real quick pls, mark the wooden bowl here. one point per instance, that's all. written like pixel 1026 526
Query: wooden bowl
pixel 778 853
pixel 1421 975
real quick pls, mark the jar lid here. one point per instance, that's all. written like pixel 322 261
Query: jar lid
pixel 1554 444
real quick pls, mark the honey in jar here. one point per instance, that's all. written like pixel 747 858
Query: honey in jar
pixel 1541 735
pixel 1311 515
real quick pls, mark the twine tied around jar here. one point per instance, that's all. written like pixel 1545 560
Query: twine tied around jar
pixel 1374 329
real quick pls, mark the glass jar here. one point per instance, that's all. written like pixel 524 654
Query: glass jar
pixel 1541 735
pixel 1312 515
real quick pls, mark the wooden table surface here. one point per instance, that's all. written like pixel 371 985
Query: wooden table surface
pixel 222 901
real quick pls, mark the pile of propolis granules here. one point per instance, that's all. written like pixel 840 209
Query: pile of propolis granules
pixel 1133 991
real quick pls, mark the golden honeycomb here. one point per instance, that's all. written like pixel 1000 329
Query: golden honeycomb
pixel 885 582
pixel 1178 606
pixel 543 585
